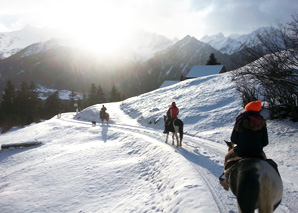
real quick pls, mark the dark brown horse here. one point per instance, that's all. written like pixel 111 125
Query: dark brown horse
pixel 104 116
pixel 255 183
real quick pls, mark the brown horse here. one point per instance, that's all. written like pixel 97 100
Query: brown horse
pixel 255 183
pixel 104 116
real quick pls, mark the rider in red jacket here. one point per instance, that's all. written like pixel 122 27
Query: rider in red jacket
pixel 172 113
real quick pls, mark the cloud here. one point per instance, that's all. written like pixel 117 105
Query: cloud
pixel 172 18
pixel 233 16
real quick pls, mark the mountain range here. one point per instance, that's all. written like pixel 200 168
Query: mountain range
pixel 40 56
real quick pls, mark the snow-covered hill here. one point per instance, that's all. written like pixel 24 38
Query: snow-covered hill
pixel 126 166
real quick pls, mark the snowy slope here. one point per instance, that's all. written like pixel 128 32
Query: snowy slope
pixel 126 166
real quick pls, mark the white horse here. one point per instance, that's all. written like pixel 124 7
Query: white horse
pixel 255 183
pixel 177 126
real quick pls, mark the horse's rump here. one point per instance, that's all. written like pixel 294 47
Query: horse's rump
pixel 178 122
pixel 256 184
pixel 103 115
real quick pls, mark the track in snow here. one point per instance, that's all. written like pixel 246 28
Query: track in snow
pixel 197 155
pixel 205 156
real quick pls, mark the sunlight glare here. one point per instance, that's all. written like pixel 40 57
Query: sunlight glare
pixel 96 26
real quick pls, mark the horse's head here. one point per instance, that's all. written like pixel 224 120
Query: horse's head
pixel 230 145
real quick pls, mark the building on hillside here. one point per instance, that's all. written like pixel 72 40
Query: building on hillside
pixel 196 72
pixel 205 70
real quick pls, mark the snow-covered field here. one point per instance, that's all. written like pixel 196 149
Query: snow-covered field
pixel 125 166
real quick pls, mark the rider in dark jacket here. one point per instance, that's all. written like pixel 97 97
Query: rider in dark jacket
pixel 249 134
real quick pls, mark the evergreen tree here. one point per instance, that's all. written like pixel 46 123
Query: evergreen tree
pixel 212 60
pixel 35 103
pixel 115 94
pixel 72 97
pixel 19 107
pixel 92 99
pixel 83 103
pixel 100 95
pixel 52 105
pixel 22 104
pixel 7 109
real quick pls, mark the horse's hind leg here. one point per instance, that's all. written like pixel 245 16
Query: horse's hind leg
pixel 173 138
pixel 167 138
pixel 265 208
pixel 178 142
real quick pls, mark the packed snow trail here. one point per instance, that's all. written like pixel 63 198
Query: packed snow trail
pixel 197 156
pixel 204 155
pixel 120 167
pixel 73 172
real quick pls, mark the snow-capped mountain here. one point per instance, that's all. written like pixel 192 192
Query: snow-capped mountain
pixel 144 45
pixel 143 65
pixel 140 47
pixel 233 43
pixel 13 42
pixel 178 59
pixel 53 64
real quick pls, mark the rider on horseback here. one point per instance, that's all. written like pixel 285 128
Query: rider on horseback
pixel 172 113
pixel 103 108
pixel 250 135
pixel 102 111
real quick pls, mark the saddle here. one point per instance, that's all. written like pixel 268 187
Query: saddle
pixel 232 163
pixel 169 124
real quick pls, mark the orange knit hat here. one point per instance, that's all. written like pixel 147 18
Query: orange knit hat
pixel 253 106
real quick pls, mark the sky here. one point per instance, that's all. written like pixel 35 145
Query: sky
pixel 171 18
pixel 126 166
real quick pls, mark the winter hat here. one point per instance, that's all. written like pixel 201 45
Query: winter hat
pixel 253 106
pixel 173 104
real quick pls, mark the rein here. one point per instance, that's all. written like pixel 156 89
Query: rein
pixel 232 163
pixel 230 166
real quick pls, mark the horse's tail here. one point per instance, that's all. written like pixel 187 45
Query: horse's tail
pixel 180 124
pixel 250 190
pixel 181 132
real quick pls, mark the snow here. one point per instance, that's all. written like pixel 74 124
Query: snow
pixel 44 92
pixel 13 42
pixel 126 166
pixel 168 83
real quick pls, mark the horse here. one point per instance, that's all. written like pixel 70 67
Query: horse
pixel 104 116
pixel 177 126
pixel 255 183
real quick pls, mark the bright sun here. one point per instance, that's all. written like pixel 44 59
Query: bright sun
pixel 97 26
